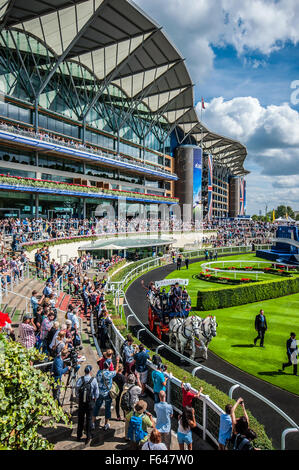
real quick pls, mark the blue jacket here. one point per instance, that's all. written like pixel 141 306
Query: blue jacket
pixel 57 368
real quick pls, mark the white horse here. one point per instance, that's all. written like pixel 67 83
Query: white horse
pixel 185 332
pixel 174 324
pixel 207 333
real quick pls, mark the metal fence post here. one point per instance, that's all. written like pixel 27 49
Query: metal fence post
pixel 204 417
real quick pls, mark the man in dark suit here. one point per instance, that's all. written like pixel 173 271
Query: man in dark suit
pixel 261 328
pixel 292 353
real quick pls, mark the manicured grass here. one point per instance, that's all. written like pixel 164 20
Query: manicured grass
pixel 235 332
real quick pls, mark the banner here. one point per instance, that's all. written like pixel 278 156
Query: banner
pixel 171 282
pixel 242 196
pixel 197 178
pixel 210 187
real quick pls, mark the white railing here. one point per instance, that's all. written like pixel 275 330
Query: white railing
pixel 206 267
pixel 209 427
pixel 119 292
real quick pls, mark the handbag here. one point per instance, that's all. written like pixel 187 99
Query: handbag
pixel 114 390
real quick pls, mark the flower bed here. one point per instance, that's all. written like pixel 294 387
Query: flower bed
pixel 223 280
pixel 57 185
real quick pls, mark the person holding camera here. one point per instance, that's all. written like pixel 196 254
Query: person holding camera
pixel 58 370
pixel 105 382
pixel 242 436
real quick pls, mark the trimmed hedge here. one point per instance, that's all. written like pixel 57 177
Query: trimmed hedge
pixel 246 294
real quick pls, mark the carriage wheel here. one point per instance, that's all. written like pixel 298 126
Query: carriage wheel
pixel 150 320
pixel 159 332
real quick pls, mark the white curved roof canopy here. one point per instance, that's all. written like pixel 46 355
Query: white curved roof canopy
pixel 122 46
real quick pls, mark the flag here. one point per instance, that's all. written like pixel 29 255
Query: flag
pixel 287 216
pixel 273 215
pixel 202 104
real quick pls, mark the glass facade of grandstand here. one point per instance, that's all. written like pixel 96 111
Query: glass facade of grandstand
pixel 83 122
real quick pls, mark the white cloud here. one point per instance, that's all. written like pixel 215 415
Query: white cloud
pixel 248 25
pixel 271 135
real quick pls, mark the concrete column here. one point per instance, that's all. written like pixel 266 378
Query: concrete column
pixel 36 205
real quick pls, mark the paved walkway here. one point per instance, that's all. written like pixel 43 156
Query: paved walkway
pixel 288 402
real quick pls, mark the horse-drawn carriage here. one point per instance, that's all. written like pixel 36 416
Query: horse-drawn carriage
pixel 164 306
pixel 170 320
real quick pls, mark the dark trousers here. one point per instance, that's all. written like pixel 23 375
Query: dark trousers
pixel 261 336
pixel 288 364
pixel 85 416
pixel 56 391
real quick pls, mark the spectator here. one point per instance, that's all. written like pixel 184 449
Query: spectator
pixel 128 353
pixel 107 357
pixel 120 381
pixel 58 371
pixel 104 379
pixel 225 428
pixel 139 420
pixel 46 326
pixel 131 395
pixel 186 423
pixel 159 381
pixel 34 302
pixel 188 395
pixel 87 392
pixel 103 329
pixel 154 442
pixel 27 332
pixel 53 332
pixel 141 367
pixel 164 413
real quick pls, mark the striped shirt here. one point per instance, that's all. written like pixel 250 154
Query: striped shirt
pixel 27 335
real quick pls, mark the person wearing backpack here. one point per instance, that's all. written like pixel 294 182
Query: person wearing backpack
pixel 130 396
pixel 87 392
pixel 239 441
pixel 139 421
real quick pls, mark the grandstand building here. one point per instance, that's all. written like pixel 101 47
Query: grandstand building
pixel 97 103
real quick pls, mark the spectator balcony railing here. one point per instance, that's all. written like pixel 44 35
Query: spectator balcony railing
pixel 45 141
pixel 35 185
pixel 210 427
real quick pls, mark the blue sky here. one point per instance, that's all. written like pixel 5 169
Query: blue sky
pixel 243 57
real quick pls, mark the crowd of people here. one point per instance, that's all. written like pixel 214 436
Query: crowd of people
pixel 239 232
pixel 227 233
pixel 69 142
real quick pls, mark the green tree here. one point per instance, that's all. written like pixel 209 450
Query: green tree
pixel 25 399
pixel 281 211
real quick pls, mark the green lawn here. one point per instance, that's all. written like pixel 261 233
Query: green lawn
pixel 235 333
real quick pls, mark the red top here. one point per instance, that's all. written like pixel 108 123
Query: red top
pixel 187 398
pixel 101 364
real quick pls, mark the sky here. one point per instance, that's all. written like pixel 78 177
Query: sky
pixel 243 57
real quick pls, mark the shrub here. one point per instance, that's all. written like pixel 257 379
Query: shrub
pixel 246 294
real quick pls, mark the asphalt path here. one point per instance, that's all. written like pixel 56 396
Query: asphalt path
pixel 289 403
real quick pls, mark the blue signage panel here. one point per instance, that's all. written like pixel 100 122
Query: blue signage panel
pixel 197 177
